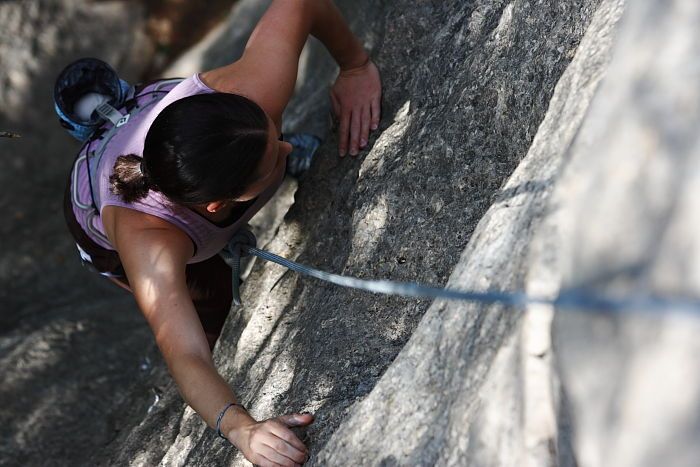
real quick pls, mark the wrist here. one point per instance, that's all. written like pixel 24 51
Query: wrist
pixel 239 435
pixel 331 29
pixel 359 60
pixel 234 422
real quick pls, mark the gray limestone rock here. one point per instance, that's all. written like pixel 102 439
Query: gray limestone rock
pixel 466 88
pixel 71 345
pixel 626 217
pixel 524 145
pixel 468 386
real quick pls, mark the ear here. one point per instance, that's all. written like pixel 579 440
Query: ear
pixel 286 148
pixel 215 206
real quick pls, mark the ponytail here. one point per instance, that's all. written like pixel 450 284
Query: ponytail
pixel 128 180
pixel 199 149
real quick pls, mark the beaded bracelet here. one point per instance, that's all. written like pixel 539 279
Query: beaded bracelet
pixel 221 415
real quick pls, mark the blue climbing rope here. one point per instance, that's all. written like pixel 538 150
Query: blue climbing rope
pixel 576 298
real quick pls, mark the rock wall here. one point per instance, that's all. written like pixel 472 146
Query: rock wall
pixel 466 88
pixel 71 345
pixel 605 200
pixel 624 221
pixel 470 383
pixel 524 145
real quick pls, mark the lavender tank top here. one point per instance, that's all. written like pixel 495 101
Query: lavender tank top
pixel 207 237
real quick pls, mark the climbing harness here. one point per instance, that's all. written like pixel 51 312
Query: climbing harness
pixel 77 91
pixel 244 244
pixel 132 108
pixel 92 104
pixel 101 137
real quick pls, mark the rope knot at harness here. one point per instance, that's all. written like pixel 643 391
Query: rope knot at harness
pixel 232 254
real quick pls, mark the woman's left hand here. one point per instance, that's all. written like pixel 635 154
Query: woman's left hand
pixel 356 98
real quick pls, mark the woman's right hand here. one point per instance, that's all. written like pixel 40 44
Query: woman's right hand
pixel 271 442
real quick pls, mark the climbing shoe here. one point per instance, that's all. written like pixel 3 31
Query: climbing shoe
pixel 304 146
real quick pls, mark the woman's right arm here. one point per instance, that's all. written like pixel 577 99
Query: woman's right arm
pixel 267 71
pixel 154 255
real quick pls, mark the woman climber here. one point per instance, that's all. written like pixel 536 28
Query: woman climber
pixel 152 200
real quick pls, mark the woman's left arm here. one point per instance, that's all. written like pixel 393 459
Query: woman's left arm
pixel 267 71
pixel 356 94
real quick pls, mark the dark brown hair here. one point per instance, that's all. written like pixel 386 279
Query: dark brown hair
pixel 199 149
pixel 127 180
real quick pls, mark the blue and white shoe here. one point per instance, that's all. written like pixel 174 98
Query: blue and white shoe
pixel 305 146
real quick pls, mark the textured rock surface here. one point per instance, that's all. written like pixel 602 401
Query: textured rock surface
pixel 626 211
pixel 458 390
pixel 466 88
pixel 70 344
pixel 532 145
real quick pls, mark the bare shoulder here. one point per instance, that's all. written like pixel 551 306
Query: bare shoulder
pixel 230 78
pixel 242 79
pixel 131 230
pixel 117 218
pixel 266 72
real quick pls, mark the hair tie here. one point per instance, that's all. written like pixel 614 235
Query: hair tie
pixel 144 174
